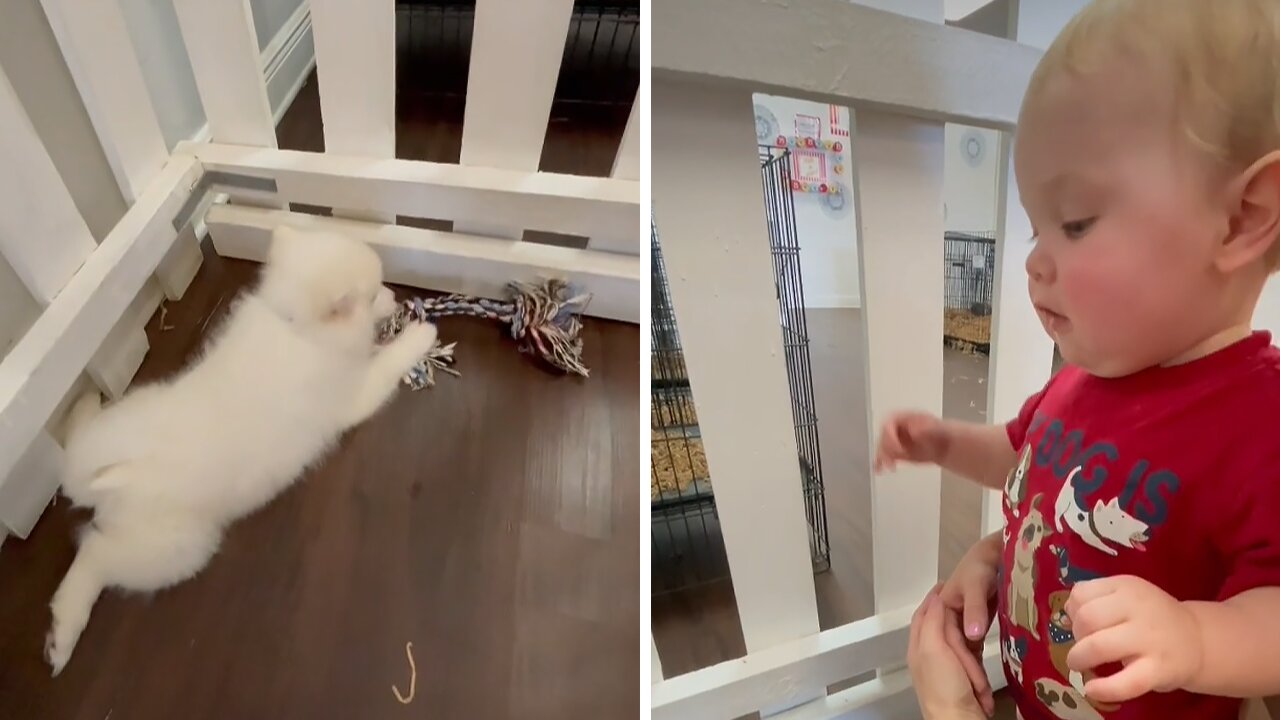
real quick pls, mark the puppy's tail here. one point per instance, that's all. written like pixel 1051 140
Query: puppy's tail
pixel 74 600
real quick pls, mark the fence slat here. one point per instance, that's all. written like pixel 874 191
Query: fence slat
pixel 1021 352
pixel 45 239
pixel 709 209
pixel 37 373
pixel 93 38
pixel 626 165
pixel 655 662
pixel 447 262
pixel 27 490
pixel 515 61
pixel 42 235
pixel 223 49
pixel 898 195
pixel 854 55
pixel 95 42
pixel 356 66
pixel 571 204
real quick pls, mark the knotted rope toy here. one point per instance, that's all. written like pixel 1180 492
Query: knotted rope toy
pixel 545 320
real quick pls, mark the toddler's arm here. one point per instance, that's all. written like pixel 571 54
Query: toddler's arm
pixel 981 453
pixel 1240 641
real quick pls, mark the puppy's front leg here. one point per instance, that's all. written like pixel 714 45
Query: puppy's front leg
pixel 388 365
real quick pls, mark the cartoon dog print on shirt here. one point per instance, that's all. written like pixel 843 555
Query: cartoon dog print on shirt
pixel 1061 640
pixel 1070 574
pixel 1021 608
pixel 1015 485
pixel 1014 650
pixel 1064 702
pixel 1105 522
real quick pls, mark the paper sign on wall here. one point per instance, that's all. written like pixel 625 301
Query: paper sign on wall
pixel 808 126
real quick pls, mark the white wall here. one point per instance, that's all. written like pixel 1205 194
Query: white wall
pixel 970 183
pixel 828 237
pixel 827 234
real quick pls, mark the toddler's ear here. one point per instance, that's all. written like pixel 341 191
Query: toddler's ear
pixel 1255 216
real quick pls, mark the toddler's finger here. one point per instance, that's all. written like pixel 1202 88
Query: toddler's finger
pixel 976 621
pixel 1111 645
pixel 1097 615
pixel 1084 592
pixel 972 666
pixel 1135 680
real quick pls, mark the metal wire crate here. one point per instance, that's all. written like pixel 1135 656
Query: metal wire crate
pixel 687 546
pixel 970 259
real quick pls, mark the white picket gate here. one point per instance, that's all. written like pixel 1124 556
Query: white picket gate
pixel 903 74
pixel 493 195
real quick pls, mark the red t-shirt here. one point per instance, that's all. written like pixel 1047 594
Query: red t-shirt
pixel 1170 474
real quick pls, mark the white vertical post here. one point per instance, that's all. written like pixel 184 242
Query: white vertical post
pixel 515 62
pixel 1021 351
pixel 655 673
pixel 709 207
pixel 95 42
pixel 356 65
pixel 44 238
pixel 898 202
pixel 626 164
pixel 898 177
pixel 27 490
pixel 223 49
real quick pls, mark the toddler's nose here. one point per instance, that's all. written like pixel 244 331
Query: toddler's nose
pixel 1039 265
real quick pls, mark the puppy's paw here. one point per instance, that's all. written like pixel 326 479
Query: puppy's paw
pixel 56 652
pixel 414 342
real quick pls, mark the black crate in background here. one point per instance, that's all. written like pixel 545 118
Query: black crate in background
pixel 688 549
pixel 601 62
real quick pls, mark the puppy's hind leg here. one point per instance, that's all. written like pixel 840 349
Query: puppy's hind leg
pixel 135 556
pixel 74 600
pixel 388 366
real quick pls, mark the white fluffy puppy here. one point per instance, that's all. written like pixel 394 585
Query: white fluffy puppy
pixel 172 464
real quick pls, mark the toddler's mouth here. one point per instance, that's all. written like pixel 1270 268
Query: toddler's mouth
pixel 1055 322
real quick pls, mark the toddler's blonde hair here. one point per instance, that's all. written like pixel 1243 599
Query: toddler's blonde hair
pixel 1224 60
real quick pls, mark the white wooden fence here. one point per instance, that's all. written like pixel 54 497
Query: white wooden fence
pixel 903 74
pixel 85 288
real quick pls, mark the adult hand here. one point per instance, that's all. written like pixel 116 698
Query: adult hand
pixel 942 686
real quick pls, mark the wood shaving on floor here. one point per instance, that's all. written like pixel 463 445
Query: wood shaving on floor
pixel 413 677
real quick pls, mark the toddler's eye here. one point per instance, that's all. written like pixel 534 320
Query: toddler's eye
pixel 1076 229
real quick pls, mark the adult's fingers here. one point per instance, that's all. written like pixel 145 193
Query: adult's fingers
pixel 917 620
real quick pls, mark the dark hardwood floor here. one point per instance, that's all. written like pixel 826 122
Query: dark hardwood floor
pixel 492 521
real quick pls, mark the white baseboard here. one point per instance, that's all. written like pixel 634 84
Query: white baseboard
pixel 287 61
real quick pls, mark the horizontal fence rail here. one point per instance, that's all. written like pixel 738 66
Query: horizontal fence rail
pixel 40 370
